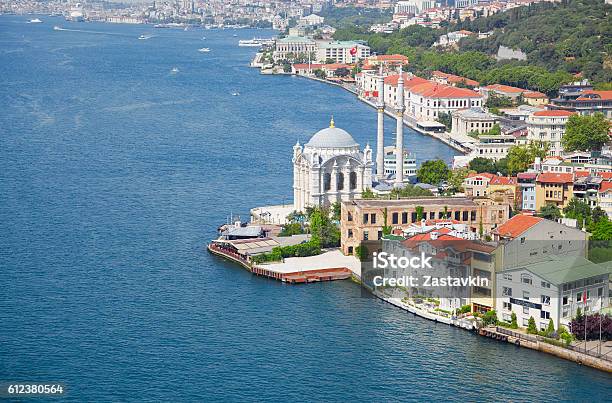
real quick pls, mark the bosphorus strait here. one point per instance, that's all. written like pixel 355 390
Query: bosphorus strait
pixel 119 158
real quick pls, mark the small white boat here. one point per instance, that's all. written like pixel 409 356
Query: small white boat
pixel 235 35
pixel 57 28
pixel 235 93
pixel 34 21
pixel 144 37
pixel 204 50
pixel 203 38
pixel 174 70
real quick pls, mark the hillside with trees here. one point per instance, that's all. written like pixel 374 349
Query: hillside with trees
pixel 572 36
pixel 560 39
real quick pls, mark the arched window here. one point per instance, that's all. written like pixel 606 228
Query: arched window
pixel 353 180
pixel 326 182
pixel 340 181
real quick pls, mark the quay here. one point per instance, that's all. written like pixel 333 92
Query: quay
pixel 328 266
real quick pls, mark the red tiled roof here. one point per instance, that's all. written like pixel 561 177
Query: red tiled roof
pixel 605 175
pixel 451 78
pixel 483 174
pixel 553 113
pixel 551 177
pixel 504 88
pixel 503 180
pixel 517 225
pixel 435 90
pixel 527 175
pixel 391 58
pixel 605 186
pixel 534 94
pixel 409 80
pixel 581 174
pixel 335 66
pixel 604 95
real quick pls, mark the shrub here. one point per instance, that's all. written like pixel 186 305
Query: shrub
pixel 513 322
pixel 489 318
pixel 531 326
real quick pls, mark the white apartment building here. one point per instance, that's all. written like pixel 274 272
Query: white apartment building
pixel 341 51
pixel 413 6
pixel 548 126
pixel 426 101
pixel 552 289
pixel 466 121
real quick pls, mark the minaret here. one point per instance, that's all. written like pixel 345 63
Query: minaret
pixel 380 136
pixel 399 132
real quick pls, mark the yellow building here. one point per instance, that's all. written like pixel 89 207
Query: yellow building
pixel 554 188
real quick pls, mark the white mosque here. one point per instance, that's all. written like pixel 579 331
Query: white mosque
pixel 331 167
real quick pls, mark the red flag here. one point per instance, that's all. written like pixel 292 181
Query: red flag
pixel 354 51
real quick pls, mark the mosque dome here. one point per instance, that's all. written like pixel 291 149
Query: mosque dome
pixel 332 137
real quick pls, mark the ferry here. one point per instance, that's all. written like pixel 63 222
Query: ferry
pixel 204 50
pixel 34 21
pixel 256 42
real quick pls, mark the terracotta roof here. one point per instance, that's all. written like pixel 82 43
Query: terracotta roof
pixel 581 174
pixel 551 177
pixel 409 80
pixel 605 186
pixel 534 94
pixel 435 90
pixel 605 175
pixel 387 58
pixel 605 95
pixel 553 113
pixel 517 225
pixel 451 78
pixel 483 174
pixel 334 66
pixel 504 88
pixel 527 175
pixel 503 180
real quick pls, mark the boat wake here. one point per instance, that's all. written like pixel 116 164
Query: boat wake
pixel 85 31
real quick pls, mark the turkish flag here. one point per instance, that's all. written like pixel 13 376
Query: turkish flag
pixel 354 51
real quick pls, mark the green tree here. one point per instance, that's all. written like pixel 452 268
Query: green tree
pixel 550 212
pixel 336 211
pixel 489 318
pixel 361 252
pixel 513 322
pixel 531 326
pixel 550 329
pixel 420 212
pixel 386 229
pixel 368 194
pixel 323 231
pixel 480 165
pixel 586 133
pixel 601 230
pixel 446 119
pixel 433 172
pixel 598 214
pixel 455 180
pixel 579 210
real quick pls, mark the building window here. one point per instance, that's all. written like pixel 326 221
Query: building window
pixel 373 218
pixel 525 322
pixel 525 310
pixel 526 279
pixel 578 296
pixel 545 284
pixel 507 306
pixel 526 295
pixel 365 235
pixel 508 276
pixel 349 216
pixel 340 181
pixel 506 291
pixel 395 218
pixel 565 300
pixel 380 235
pixel 353 180
pixel 404 218
pixel 365 218
pixel 326 181
pixel 545 300
pixel 544 315
pixel 350 250
pixel 350 233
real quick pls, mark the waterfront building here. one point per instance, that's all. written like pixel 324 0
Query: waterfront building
pixel 391 80
pixel 330 168
pixel 493 147
pixel 548 127
pixel 305 69
pixel 296 45
pixel 426 101
pixel 472 120
pixel 363 219
pixel 342 51
pixel 554 188
pixel 552 289
pixel 390 165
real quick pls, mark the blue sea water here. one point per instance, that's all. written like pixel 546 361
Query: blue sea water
pixel 115 172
